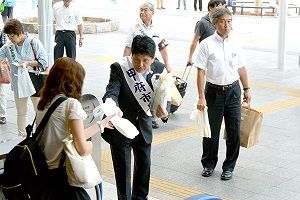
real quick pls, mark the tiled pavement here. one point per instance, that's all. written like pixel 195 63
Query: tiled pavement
pixel 270 170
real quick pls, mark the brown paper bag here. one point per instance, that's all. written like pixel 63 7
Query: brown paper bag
pixel 251 121
pixel 176 98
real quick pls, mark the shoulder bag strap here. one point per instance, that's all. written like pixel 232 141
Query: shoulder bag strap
pixel 31 43
pixel 47 115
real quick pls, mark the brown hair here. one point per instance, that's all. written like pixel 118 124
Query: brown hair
pixel 66 78
pixel 13 26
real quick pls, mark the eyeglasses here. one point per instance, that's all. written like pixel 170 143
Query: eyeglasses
pixel 11 36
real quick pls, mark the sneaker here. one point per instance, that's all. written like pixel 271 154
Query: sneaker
pixel 2 120
pixel 155 125
pixel 163 8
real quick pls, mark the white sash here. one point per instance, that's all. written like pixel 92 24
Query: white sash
pixel 137 84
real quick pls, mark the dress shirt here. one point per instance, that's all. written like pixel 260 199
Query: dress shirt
pixel 142 29
pixel 66 18
pixel 220 59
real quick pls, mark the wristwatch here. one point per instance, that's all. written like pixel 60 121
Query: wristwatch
pixel 100 126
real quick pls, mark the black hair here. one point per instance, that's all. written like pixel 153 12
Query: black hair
pixel 214 3
pixel 143 45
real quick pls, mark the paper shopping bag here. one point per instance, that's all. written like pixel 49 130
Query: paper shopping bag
pixel 176 98
pixel 251 121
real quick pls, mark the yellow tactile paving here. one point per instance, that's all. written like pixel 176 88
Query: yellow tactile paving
pixel 175 189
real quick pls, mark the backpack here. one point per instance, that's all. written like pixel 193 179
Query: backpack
pixel 25 165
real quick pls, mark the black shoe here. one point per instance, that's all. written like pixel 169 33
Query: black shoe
pixel 226 175
pixel 177 8
pixel 155 125
pixel 163 8
pixel 195 9
pixel 2 120
pixel 207 172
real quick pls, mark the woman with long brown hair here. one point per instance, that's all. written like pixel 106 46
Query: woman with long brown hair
pixel 65 79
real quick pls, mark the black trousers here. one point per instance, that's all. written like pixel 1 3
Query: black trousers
pixel 200 5
pixel 65 40
pixel 121 156
pixel 227 104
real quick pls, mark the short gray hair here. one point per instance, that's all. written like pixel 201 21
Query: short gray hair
pixel 219 12
pixel 151 6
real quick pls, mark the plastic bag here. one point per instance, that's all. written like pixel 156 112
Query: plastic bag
pixel 25 86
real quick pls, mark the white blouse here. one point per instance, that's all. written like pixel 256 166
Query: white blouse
pixel 57 129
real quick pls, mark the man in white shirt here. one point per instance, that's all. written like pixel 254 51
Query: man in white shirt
pixel 67 17
pixel 220 59
pixel 146 28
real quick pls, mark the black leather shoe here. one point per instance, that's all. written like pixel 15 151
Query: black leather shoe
pixel 207 172
pixel 2 120
pixel 226 175
pixel 155 125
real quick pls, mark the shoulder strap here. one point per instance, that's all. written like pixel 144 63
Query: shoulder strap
pixel 31 43
pixel 47 115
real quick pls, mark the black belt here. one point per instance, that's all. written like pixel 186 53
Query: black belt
pixel 223 87
pixel 64 31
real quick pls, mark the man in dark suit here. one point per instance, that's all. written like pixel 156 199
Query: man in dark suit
pixel 131 88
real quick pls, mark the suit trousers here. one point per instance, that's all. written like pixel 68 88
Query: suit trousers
pixel 227 104
pixel 121 156
pixel 65 40
pixel 200 4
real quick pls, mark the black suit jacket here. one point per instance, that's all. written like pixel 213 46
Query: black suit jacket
pixel 119 91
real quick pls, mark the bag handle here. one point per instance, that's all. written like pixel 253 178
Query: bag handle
pixel 47 116
pixel 188 73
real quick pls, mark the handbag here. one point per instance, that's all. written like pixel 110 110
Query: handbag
pixel 81 170
pixel 37 76
pixel 5 76
pixel 2 6
pixel 251 122
pixel 38 79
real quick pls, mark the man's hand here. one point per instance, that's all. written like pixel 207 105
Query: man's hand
pixel 80 42
pixel 201 104
pixel 161 112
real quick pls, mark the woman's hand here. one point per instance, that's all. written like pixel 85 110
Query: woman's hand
pixel 106 122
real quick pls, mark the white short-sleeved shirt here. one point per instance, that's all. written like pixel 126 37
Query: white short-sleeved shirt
pixel 220 59
pixel 66 18
pixel 142 29
pixel 56 129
